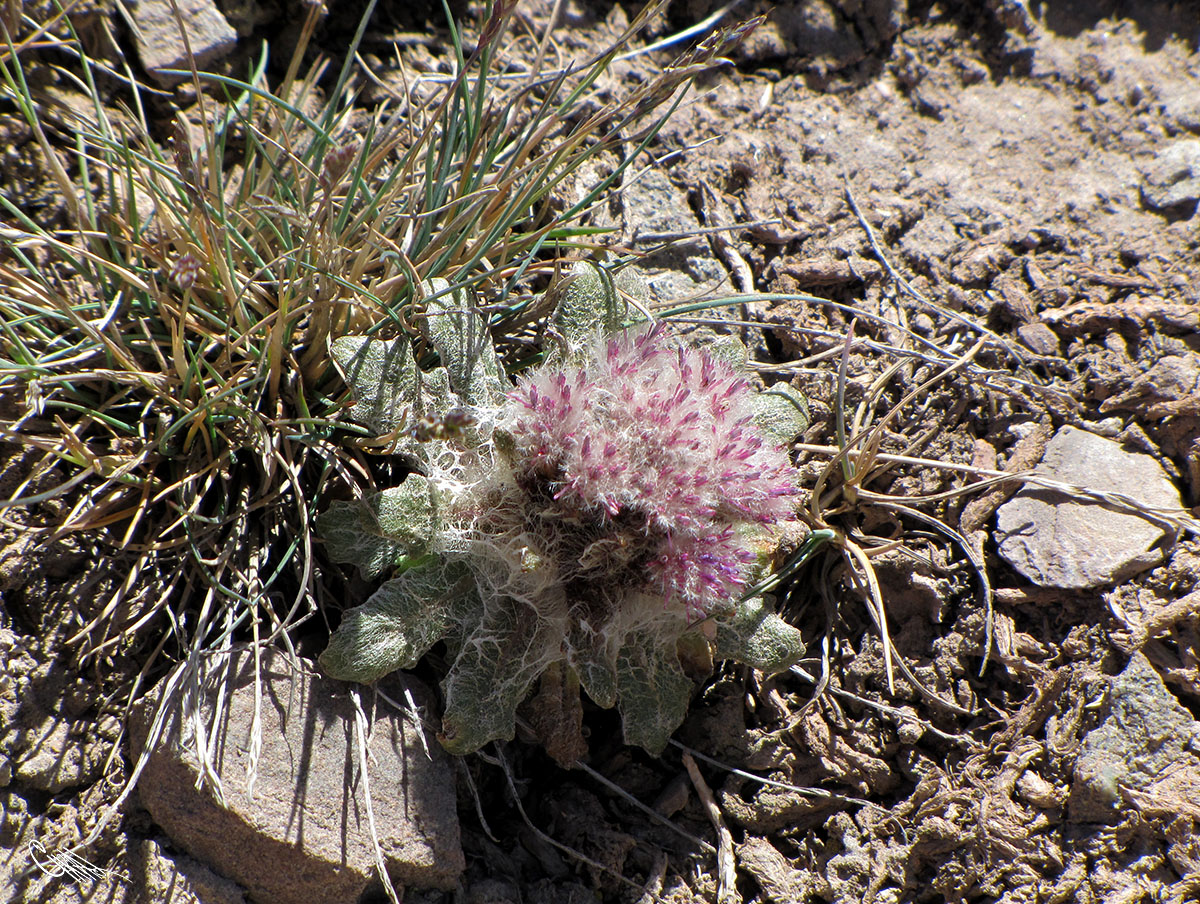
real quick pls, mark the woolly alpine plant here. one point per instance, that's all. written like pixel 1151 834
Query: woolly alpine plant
pixel 593 528
pixel 633 470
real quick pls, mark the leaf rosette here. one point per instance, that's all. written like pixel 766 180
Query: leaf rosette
pixel 595 523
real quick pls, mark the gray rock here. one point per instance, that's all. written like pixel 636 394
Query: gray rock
pixel 670 287
pixel 1039 339
pixel 53 758
pixel 1183 106
pixel 301 834
pixel 678 263
pixel 1057 541
pixel 1146 735
pixel 167 879
pixel 159 35
pixel 653 206
pixel 1173 177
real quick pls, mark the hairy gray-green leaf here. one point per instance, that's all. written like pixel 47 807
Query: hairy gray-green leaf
pixel 726 348
pixel 384 530
pixel 755 636
pixel 398 624
pixel 781 413
pixel 381 375
pixel 390 391
pixel 592 299
pixel 496 665
pixel 594 665
pixel 653 690
pixel 461 339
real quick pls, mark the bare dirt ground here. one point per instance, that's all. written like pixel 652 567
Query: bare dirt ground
pixel 1009 166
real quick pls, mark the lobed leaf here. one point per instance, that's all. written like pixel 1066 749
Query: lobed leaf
pixel 594 664
pixel 592 299
pixel 390 390
pixel 496 665
pixel 399 623
pixel 755 636
pixel 383 531
pixel 781 413
pixel 461 339
pixel 654 691
pixel 724 347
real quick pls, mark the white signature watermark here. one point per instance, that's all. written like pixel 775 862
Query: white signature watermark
pixel 66 863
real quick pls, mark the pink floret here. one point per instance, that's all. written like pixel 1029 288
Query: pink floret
pixel 662 438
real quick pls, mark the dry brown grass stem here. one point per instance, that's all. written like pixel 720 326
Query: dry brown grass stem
pixel 362 736
pixel 726 867
pixel 500 761
pixel 1178 519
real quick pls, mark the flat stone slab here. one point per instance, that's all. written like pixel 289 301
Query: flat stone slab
pixel 1143 751
pixel 159 35
pixel 1055 540
pixel 301 835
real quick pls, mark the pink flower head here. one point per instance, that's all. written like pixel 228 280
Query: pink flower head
pixel 650 448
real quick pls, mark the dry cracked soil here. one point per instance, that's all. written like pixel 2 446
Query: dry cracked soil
pixel 920 177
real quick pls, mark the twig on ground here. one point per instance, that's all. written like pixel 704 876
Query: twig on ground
pixel 649 811
pixel 726 866
pixel 362 735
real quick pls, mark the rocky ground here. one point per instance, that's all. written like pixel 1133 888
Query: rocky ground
pixel 937 175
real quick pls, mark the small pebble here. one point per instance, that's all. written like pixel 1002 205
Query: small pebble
pixel 1173 177
pixel 1039 339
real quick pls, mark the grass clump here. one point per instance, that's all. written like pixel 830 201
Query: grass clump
pixel 170 347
